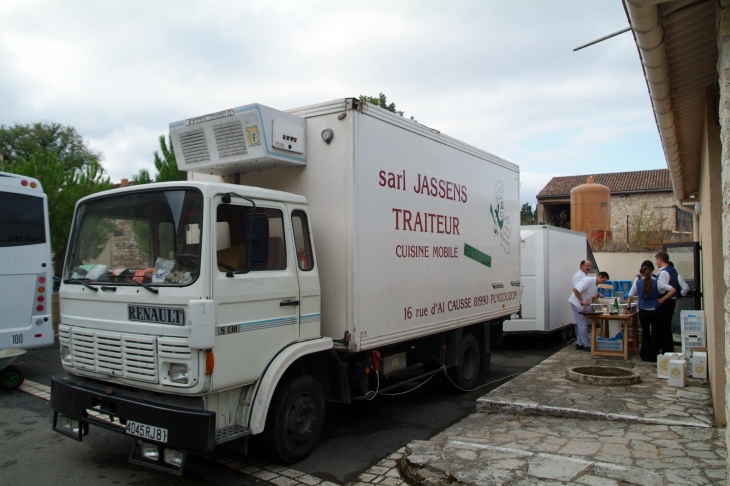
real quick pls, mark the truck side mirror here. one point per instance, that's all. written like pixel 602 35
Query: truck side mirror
pixel 257 238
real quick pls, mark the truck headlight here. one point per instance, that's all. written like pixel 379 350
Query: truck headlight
pixel 150 451
pixel 68 425
pixel 174 457
pixel 179 373
pixel 66 354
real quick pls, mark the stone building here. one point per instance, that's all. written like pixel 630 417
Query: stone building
pixel 644 196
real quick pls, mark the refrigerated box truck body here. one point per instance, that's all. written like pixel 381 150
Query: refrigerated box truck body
pixel 550 257
pixel 346 245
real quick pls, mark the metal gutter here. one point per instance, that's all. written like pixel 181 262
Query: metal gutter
pixel 643 15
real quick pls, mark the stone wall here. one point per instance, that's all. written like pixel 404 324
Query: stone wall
pixel 723 70
pixel 659 210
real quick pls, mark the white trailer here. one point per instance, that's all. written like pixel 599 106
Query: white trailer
pixel 244 329
pixel 550 257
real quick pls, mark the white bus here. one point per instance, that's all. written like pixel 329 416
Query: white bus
pixel 26 270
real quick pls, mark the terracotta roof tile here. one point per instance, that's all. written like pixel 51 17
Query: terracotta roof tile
pixel 618 182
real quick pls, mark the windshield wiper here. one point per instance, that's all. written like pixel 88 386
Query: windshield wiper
pixel 132 279
pixel 81 281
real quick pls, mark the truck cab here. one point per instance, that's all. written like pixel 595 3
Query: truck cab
pixel 164 285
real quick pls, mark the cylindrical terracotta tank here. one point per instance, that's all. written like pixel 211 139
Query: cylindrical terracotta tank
pixel 590 210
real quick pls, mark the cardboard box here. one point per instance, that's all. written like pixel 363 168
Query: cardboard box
pixel 677 373
pixel 662 364
pixel 699 363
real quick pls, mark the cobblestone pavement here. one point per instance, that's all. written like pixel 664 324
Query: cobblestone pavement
pixel 545 389
pixel 541 428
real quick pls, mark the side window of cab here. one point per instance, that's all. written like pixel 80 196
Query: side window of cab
pixel 302 241
pixel 231 238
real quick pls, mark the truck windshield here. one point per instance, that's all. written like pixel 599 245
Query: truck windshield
pixel 147 237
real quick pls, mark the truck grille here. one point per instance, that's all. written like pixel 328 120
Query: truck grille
pixel 134 357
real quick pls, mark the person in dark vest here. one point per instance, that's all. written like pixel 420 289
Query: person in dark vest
pixel 667 275
pixel 648 290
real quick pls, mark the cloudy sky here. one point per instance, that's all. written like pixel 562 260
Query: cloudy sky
pixel 500 75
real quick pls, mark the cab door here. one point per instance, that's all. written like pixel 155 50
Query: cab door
pixel 257 313
pixel 308 274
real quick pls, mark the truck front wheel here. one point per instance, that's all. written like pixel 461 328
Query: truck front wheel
pixel 295 420
pixel 466 372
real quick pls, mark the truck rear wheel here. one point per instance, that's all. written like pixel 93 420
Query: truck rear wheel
pixel 466 371
pixel 295 420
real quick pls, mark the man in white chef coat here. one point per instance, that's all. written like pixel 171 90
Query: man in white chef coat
pixel 580 300
pixel 585 268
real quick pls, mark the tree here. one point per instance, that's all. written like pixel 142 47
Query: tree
pixel 142 178
pixel 167 164
pixel 527 215
pixel 382 101
pixel 63 187
pixel 43 140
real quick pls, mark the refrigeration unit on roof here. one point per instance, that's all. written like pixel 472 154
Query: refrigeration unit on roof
pixel 238 140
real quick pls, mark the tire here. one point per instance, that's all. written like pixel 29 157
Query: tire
pixel 11 378
pixel 466 371
pixel 295 420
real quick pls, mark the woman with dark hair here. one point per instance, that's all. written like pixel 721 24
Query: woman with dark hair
pixel 648 289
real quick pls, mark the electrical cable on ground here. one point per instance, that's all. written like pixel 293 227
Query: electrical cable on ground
pixel 480 386
pixel 443 368
pixel 375 393
pixel 412 389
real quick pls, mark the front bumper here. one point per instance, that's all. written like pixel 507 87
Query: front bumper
pixel 190 429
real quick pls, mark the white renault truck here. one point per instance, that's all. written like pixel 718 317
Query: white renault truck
pixel 328 253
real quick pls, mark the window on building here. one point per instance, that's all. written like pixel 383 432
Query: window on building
pixel 683 221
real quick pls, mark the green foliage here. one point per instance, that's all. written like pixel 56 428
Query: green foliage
pixel 382 101
pixel 46 140
pixel 142 178
pixel 527 215
pixel 166 164
pixel 64 187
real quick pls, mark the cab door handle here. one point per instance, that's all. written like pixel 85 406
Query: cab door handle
pixel 288 302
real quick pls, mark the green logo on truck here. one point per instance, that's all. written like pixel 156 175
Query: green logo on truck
pixel 477 256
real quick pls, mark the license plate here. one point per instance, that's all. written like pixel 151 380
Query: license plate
pixel 146 431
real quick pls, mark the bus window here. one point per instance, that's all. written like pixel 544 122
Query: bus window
pixel 22 221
